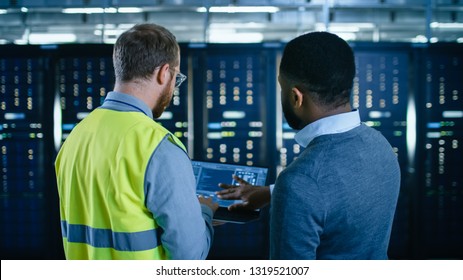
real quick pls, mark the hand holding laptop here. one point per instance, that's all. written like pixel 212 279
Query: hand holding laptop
pixel 253 197
pixel 208 202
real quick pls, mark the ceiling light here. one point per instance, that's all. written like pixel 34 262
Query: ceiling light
pixel 239 9
pixel 447 25
pixel 237 25
pixel 105 26
pixel 2 11
pixel 53 38
pixel 89 10
pixel 231 36
pixel 108 40
pixel 83 10
pixel 460 40
pixel 125 26
pixel 346 36
pixel 320 27
pixel 20 42
pixel 110 10
pixel 344 27
pixel 341 29
pixel 130 10
pixel 113 32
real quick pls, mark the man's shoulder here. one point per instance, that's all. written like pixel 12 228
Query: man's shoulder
pixel 169 151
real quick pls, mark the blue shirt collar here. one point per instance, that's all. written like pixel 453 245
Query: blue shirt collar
pixel 124 102
pixel 330 125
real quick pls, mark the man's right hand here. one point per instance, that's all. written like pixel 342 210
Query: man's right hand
pixel 253 197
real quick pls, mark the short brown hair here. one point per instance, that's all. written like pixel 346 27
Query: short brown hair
pixel 141 49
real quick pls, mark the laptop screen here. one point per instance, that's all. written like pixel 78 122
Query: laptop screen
pixel 209 174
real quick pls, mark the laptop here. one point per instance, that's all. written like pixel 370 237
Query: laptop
pixel 208 176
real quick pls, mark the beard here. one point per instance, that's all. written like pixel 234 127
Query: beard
pixel 293 121
pixel 163 102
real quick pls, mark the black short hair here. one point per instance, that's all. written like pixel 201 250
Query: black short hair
pixel 320 64
pixel 141 49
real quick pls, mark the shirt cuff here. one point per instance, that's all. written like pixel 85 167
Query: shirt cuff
pixel 271 188
pixel 207 212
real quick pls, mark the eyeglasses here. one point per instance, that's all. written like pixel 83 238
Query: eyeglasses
pixel 179 78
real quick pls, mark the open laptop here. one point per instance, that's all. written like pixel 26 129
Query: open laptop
pixel 208 176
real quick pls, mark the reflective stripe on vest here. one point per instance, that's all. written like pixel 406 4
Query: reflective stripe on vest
pixel 106 238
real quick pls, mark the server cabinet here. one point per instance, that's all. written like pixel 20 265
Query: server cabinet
pixel 25 134
pixel 440 118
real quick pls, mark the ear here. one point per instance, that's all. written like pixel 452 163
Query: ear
pixel 298 97
pixel 162 75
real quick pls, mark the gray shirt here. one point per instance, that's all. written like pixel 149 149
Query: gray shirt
pixel 170 192
pixel 337 199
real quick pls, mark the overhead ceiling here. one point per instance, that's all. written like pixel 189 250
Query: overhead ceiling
pixel 50 21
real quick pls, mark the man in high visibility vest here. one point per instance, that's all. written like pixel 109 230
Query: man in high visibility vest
pixel 126 184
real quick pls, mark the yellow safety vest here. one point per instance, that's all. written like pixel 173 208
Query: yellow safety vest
pixel 100 172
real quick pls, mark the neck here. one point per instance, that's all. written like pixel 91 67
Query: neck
pixel 316 112
pixel 138 89
pixel 338 110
